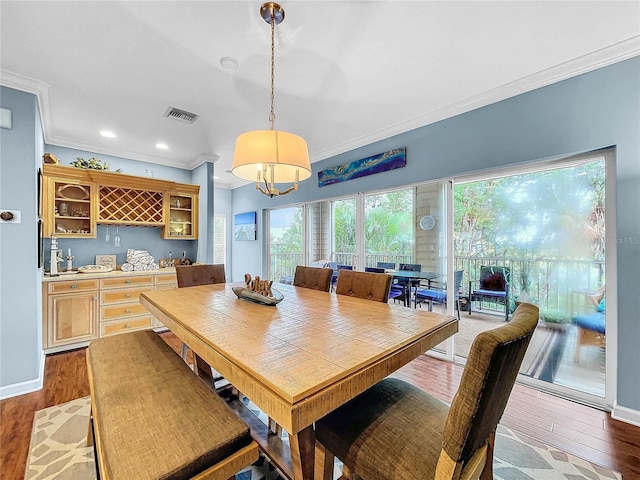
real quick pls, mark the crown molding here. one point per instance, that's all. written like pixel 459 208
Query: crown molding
pixel 609 55
pixel 603 57
pixel 37 88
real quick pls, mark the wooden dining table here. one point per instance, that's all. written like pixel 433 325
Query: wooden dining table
pixel 300 359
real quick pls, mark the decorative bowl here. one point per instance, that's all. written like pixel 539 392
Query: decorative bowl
pixel 252 296
pixel 95 269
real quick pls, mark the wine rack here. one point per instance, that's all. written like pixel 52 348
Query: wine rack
pixel 129 206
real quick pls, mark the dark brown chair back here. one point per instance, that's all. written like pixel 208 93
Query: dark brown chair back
pixel 487 381
pixel 194 275
pixel 370 286
pixel 313 277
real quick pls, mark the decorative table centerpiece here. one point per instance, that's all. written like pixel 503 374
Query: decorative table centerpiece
pixel 259 291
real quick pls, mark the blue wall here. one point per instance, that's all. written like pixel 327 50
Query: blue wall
pixel 20 292
pixel 591 111
pixel 139 238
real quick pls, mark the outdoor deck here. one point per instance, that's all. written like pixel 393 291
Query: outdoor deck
pixel 551 353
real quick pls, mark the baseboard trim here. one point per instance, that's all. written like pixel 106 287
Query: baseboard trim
pixel 29 386
pixel 627 415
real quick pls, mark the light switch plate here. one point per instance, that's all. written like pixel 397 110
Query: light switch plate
pixel 5 118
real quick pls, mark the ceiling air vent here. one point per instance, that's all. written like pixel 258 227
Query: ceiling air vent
pixel 181 115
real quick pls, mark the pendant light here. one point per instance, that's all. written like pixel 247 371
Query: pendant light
pixel 271 156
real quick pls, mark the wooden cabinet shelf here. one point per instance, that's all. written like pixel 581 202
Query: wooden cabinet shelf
pixel 77 200
pixel 181 211
pixel 68 207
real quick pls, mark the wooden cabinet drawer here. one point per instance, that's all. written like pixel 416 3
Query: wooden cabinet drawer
pixel 120 296
pixel 119 311
pixel 129 281
pixel 168 286
pixel 123 326
pixel 167 279
pixel 71 286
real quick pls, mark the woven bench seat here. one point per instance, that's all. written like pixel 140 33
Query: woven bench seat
pixel 153 418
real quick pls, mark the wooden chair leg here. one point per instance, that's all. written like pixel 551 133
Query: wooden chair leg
pixel 348 474
pixel 274 428
pixel 203 369
pixel 90 432
pixel 323 463
pixel 487 472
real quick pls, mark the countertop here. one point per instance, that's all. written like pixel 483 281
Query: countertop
pixel 114 273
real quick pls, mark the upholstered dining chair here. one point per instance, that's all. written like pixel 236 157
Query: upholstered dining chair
pixel 370 286
pixel 192 276
pixel 313 277
pixel 396 431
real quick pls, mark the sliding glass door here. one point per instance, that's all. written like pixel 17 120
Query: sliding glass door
pixel 389 236
pixel 286 241
pixel 545 228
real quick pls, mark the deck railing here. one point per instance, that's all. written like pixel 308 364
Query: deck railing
pixel 548 282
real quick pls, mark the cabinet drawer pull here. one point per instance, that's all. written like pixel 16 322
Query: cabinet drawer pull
pixel 127 310
pixel 74 286
pixel 128 295
pixel 127 281
pixel 126 325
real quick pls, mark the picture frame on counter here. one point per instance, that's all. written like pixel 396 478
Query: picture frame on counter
pixel 106 260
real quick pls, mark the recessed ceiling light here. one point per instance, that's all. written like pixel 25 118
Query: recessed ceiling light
pixel 107 133
pixel 162 146
pixel 229 63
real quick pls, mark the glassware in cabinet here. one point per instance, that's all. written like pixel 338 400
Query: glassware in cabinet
pixel 182 216
pixel 71 208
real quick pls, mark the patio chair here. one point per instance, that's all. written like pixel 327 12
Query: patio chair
pixel 589 317
pixel 397 291
pixel 396 431
pixel 438 292
pixel 386 265
pixel 336 270
pixel 494 287
pixel 374 270
pixel 406 285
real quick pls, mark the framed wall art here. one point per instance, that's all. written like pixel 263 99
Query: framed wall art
pixel 244 226
pixel 381 162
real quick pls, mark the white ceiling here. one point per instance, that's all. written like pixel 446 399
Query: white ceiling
pixel 347 73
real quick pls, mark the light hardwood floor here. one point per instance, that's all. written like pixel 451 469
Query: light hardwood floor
pixel 577 429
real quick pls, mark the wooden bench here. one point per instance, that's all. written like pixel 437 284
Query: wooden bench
pixel 153 418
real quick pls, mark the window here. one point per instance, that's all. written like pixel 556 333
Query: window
pixel 219 236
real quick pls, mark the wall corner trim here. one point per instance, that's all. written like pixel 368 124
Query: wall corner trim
pixel 625 414
pixel 29 386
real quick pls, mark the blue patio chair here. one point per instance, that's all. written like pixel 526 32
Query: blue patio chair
pixel 374 270
pixel 334 279
pixel 438 292
pixel 386 265
pixel 406 285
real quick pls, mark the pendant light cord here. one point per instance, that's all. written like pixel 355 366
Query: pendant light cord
pixel 272 115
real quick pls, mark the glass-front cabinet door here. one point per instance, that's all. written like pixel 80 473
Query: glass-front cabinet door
pixel 70 208
pixel 181 210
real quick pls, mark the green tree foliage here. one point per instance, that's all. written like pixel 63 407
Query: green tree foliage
pixel 344 212
pixel 389 223
pixel 555 214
